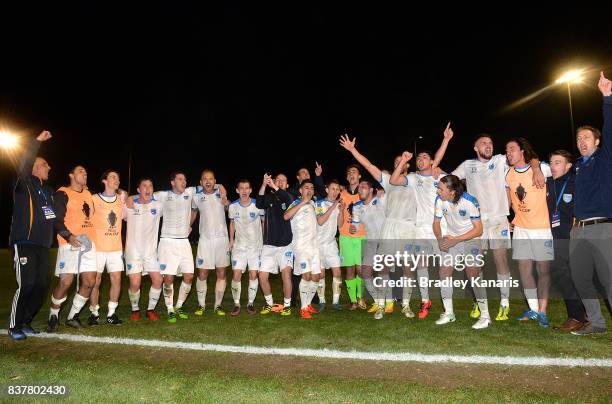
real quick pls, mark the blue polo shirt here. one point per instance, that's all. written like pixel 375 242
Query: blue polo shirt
pixel 593 192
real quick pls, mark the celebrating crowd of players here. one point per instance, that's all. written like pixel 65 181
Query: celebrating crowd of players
pixel 292 231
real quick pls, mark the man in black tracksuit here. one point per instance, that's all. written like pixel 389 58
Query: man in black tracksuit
pixel 31 236
pixel 560 199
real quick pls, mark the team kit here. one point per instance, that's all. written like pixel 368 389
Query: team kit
pixel 294 232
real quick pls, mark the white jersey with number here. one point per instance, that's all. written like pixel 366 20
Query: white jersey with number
pixel 326 232
pixel 212 213
pixel 400 200
pixel 142 229
pixel 486 180
pixel 177 212
pixel 247 222
pixel 459 216
pixel 304 227
pixel 371 215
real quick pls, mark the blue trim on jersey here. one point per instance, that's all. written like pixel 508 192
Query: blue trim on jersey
pixel 424 175
pixel 470 198
pixel 358 203
pixel 522 169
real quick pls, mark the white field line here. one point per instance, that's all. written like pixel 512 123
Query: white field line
pixel 334 354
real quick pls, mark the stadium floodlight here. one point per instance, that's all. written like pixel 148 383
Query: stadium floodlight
pixel 568 78
pixel 8 141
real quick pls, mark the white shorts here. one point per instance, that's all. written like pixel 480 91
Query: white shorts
pixel 175 256
pixel 68 260
pixel 425 241
pixel 140 265
pixel 307 260
pixel 111 260
pixel 397 236
pixel 532 244
pixel 329 255
pixel 243 257
pixel 464 254
pixel 369 249
pixel 274 258
pixel 213 253
pixel 496 233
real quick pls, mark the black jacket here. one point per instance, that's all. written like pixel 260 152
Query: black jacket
pixel 277 230
pixel 30 195
pixel 566 203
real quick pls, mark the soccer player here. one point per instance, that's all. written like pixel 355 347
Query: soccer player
pixel 398 229
pixel 330 211
pixel 109 212
pixel 303 217
pixel 245 242
pixel 277 252
pixel 457 244
pixel 425 184
pixel 304 174
pixel 370 212
pixel 174 251
pixel 31 237
pixel 560 199
pixel 532 239
pixel 213 246
pixel 485 177
pixel 76 254
pixel 143 213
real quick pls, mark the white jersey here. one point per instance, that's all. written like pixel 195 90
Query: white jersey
pixel 304 227
pixel 486 180
pixel 372 216
pixel 212 213
pixel 177 212
pixel 142 229
pixel 326 233
pixel 459 216
pixel 400 200
pixel 425 190
pixel 247 221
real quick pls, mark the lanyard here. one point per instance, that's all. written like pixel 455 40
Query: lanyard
pixel 560 194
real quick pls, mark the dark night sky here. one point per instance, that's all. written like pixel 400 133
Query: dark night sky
pixel 245 90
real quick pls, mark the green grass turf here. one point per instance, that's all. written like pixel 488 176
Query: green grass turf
pixel 148 375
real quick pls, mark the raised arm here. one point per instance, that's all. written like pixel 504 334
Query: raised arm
pixel 361 159
pixel 397 178
pixel 29 157
pixel 605 86
pixel 448 135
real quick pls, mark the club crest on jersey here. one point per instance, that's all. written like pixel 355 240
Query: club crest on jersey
pixel 283 206
pixel 253 215
pixel 288 254
pixel 62 265
pixel 504 232
pixel 491 166
pixel 548 243
pixel 374 202
pixel 154 211
pixel 303 265
pixel 234 262
pixel 129 267
pixel 462 212
pixel 200 261
pixel 567 198
pixel 473 170
pixel 185 197
pixel 162 267
pixel 23 260
pixel 475 251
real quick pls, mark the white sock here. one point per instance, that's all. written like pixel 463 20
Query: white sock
pixel 111 308
pixel 406 295
pixel 184 290
pixel 253 285
pixel 481 299
pixel 304 292
pixel 134 299
pixel 504 291
pixel 321 290
pixel 169 297
pixel 219 291
pixel 287 302
pixel 201 288
pixel 532 299
pixel 57 302
pixel 423 276
pixel 153 297
pixel 77 304
pixel 447 298
pixel 95 310
pixel 269 300
pixel 236 291
pixel 336 286
pixel 53 312
pixel 313 291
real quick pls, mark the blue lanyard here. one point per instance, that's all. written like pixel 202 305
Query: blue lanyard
pixel 560 194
